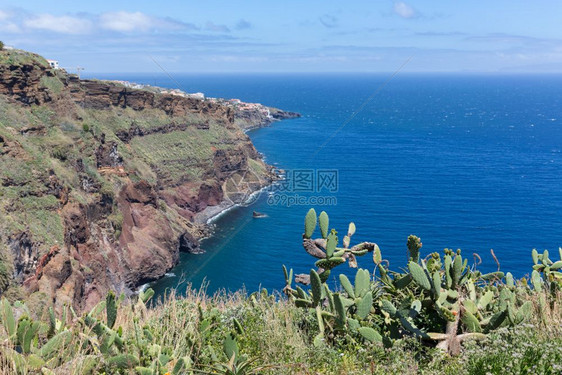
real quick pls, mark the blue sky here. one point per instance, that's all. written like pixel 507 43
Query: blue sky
pixel 290 35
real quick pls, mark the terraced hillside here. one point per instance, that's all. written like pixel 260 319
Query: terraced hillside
pixel 100 183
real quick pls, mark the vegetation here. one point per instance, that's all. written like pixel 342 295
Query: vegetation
pixel 384 322
pixel 443 302
pixel 1 45
pixel 19 57
pixel 52 146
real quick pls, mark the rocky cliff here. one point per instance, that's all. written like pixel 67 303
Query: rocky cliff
pixel 100 183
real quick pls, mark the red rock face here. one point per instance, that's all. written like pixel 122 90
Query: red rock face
pixel 99 254
pixel 103 95
pixel 22 83
pixel 149 244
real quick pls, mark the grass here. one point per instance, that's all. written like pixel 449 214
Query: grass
pixel 53 84
pixel 19 57
pixel 278 336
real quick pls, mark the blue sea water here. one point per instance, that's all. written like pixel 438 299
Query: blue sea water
pixel 471 162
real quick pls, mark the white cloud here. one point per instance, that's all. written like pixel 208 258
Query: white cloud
pixel 404 10
pixel 85 23
pixel 59 24
pixel 125 21
pixel 137 21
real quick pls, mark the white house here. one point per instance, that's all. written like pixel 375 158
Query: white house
pixel 53 63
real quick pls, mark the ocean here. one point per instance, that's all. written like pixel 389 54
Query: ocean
pixel 462 161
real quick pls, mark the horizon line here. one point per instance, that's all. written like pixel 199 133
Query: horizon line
pixel 87 73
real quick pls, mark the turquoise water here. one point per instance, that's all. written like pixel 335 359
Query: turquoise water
pixel 470 162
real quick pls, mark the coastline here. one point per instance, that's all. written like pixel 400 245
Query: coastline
pixel 213 213
pixel 210 214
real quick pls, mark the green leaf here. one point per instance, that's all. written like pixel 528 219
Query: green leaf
pixel 324 223
pixel 524 312
pixel 123 361
pixel 470 306
pixel 536 280
pixel 310 223
pixel 535 256
pixel 389 307
pixel 492 276
pixel 111 309
pixel 364 306
pixel 509 280
pixel 55 344
pixel 419 276
pixel 370 334
pixel 340 311
pixel 35 362
pixel 457 270
pixel 496 320
pixel 470 321
pixel 238 326
pixel 316 287
pixel 331 243
pixel 485 299
pixel 403 282
pixel 377 256
pixel 286 274
pixel 325 275
pixel 318 340
pixel 108 340
pixel 351 229
pixel 230 346
pixel 146 295
pixel 303 303
pixel 346 284
pixel 410 327
pixel 320 319
pixel 52 323
pixel 29 335
pixel 545 258
pixel 144 370
pixel 328 264
pixel 8 317
pixel 362 282
pixel 181 366
pixel 448 263
pixel 436 284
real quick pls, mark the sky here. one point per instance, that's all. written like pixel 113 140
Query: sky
pixel 207 36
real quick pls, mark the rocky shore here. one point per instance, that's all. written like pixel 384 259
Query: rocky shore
pixel 102 184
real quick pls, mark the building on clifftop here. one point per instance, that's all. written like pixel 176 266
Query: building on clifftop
pixel 53 63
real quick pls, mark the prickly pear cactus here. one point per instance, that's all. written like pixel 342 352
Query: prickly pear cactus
pixel 439 299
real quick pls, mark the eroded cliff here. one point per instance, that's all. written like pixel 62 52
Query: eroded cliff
pixel 100 183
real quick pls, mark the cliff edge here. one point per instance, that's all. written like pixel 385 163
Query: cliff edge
pixel 100 183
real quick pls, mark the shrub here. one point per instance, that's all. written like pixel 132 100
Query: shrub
pixel 438 300
pixel 60 153
pixel 5 276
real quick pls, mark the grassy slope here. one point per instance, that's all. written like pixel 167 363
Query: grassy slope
pixel 279 335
